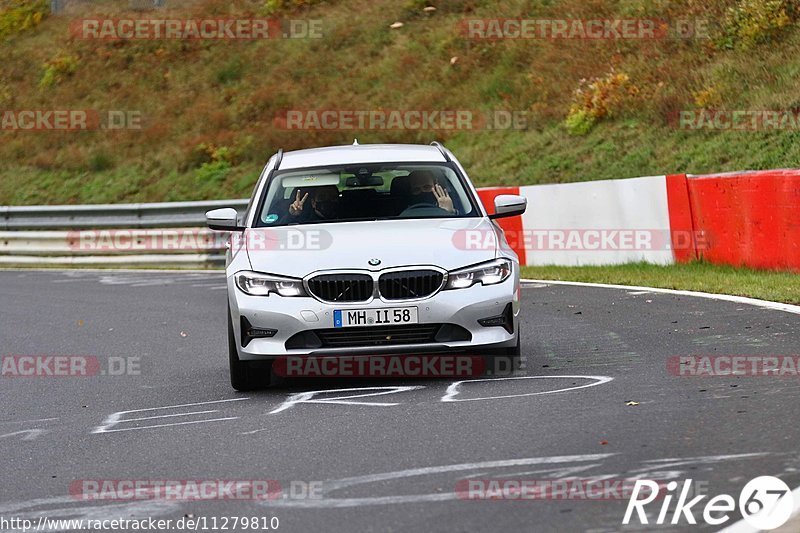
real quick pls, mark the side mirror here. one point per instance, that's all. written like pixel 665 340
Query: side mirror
pixel 509 205
pixel 225 219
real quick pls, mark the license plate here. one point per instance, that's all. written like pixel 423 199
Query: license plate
pixel 392 316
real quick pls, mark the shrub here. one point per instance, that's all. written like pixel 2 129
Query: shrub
pixel 752 22
pixel 597 99
pixel 214 172
pixel 579 122
pixel 58 69
pixel 231 72
pixel 20 15
pixel 5 95
pixel 707 98
pixel 273 7
pixel 209 153
pixel 100 161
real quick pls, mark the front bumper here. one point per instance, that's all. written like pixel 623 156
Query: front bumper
pixel 290 316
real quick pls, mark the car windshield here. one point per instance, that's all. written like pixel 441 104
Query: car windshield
pixel 364 192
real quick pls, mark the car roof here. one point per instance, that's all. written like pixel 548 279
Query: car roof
pixel 364 153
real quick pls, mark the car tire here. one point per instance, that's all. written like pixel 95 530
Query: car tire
pixel 513 354
pixel 515 351
pixel 245 375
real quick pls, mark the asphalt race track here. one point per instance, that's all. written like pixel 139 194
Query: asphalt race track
pixel 390 462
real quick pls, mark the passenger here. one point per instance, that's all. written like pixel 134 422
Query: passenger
pixel 324 205
pixel 425 190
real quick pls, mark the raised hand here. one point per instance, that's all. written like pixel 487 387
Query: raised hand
pixel 297 206
pixel 443 198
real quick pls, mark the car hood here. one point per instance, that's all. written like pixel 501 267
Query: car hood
pixel 297 251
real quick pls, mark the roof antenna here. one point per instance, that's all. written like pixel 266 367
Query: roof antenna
pixel 355 142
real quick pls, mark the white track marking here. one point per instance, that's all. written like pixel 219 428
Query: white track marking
pixel 453 390
pixel 330 502
pixel 168 425
pixel 5 422
pixel 116 419
pixel 30 434
pixel 555 473
pixel 308 397
pixel 66 509
pixel 563 467
pixel 413 472
pixel 765 304
pixel 681 461
pixel 168 416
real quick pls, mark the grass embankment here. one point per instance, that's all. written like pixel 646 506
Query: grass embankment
pixel 594 108
pixel 703 277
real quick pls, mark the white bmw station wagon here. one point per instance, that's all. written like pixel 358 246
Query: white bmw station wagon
pixel 364 250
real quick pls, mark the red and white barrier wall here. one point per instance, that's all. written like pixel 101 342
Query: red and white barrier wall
pixel 746 218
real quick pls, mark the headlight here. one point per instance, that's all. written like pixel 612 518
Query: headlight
pixel 489 273
pixel 258 284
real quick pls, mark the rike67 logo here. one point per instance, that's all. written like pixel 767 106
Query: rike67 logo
pixel 765 503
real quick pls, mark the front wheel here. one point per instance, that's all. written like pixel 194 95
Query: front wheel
pixel 513 351
pixel 502 361
pixel 245 375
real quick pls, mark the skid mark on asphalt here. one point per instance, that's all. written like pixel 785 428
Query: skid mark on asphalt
pixel 734 339
pixel 588 346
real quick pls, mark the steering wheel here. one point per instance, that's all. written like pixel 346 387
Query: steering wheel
pixel 423 205
pixel 420 205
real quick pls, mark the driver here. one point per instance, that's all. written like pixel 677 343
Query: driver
pixel 425 190
pixel 324 205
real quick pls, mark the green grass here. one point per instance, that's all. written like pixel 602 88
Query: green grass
pixel 765 285
pixel 200 97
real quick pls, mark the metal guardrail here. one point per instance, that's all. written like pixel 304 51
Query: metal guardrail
pixel 143 247
pixel 101 216
pixel 169 234
pixel 170 261
pixel 113 242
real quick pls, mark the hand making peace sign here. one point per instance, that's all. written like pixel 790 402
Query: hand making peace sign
pixel 297 206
